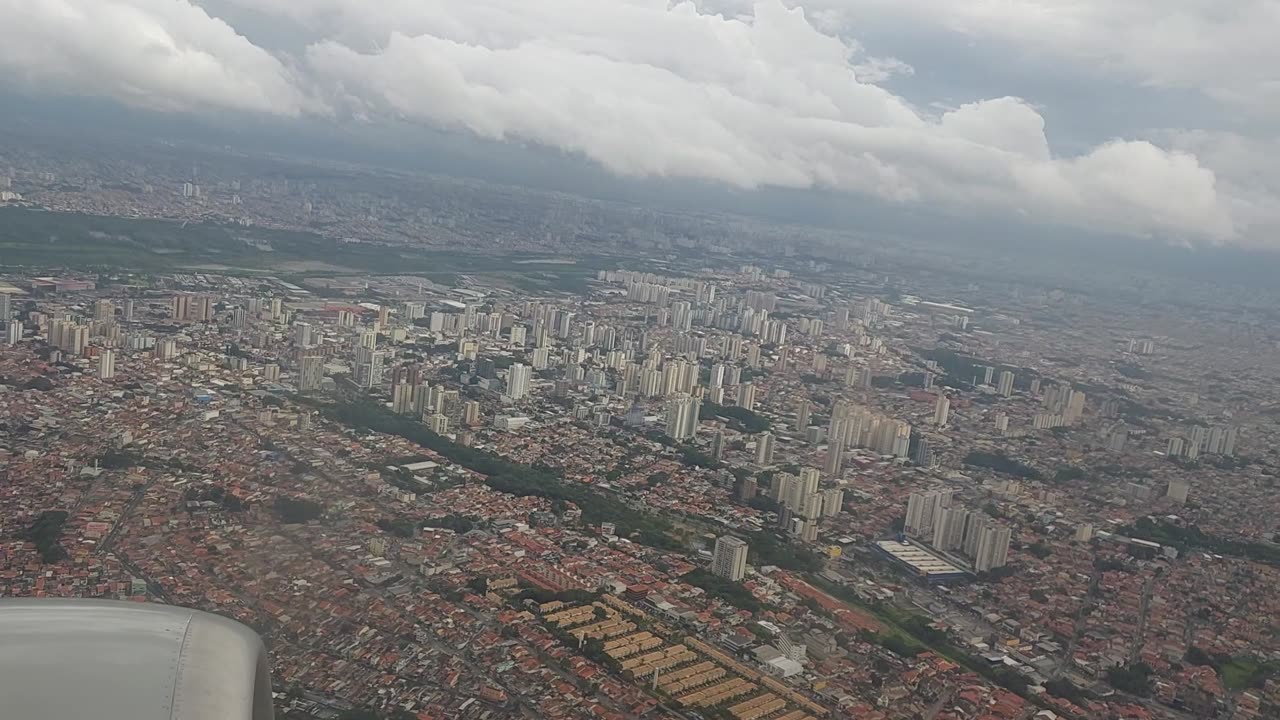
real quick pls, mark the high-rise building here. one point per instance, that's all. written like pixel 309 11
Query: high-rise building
pixel 13 333
pixel 973 530
pixel 941 410
pixel 993 548
pixel 1178 490
pixel 302 335
pixel 988 374
pixel 107 364
pixel 764 448
pixel 471 413
pixel 922 512
pixel 6 308
pixel 165 350
pixel 469 350
pixel 782 487
pixel 438 424
pixel 402 399
pixel 949 526
pixel 923 454
pixel 832 502
pixel 834 463
pixel 68 336
pixel 519 378
pixel 717 446
pixel 1117 439
pixel 564 324
pixel 717 376
pixel 804 411
pixel 682 417
pixel 1075 407
pixel 733 375
pixel 1006 383
pixel 369 339
pixel 414 311
pixel 729 560
pixel 369 366
pixel 681 316
pixel 891 437
pixel 104 310
pixel 820 365
pixel 808 481
pixel 851 376
pixel 310 373
pixel 191 308
pixel 518 335
pixel 747 396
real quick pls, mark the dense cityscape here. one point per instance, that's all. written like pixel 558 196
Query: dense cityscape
pixel 528 455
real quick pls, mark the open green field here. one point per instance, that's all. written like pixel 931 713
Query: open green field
pixel 1244 672
pixel 40 239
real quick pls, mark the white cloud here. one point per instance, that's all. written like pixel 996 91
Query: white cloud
pixel 1225 49
pixel 160 54
pixel 758 95
pixel 1248 176
pixel 760 99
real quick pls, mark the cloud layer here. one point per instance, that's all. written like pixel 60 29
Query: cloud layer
pixel 749 94
pixel 158 54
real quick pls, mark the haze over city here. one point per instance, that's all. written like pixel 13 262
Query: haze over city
pixel 712 360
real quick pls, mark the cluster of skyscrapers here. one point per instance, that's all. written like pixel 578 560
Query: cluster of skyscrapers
pixel 1065 406
pixel 934 518
pixel 191 308
pixel 802 504
pixel 682 417
pixel 1200 440
pixel 856 427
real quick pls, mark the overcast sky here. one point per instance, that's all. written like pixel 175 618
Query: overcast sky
pixel 1148 118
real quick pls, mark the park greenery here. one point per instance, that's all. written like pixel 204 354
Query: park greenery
pixel 959 370
pixel 1002 463
pixel 400 527
pixel 457 523
pixel 46 533
pixel 509 477
pixel 731 592
pixel 597 505
pixel 1191 537
pixel 1067 473
pixel 1134 679
pixel 739 418
pixel 768 549
pixel 297 510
